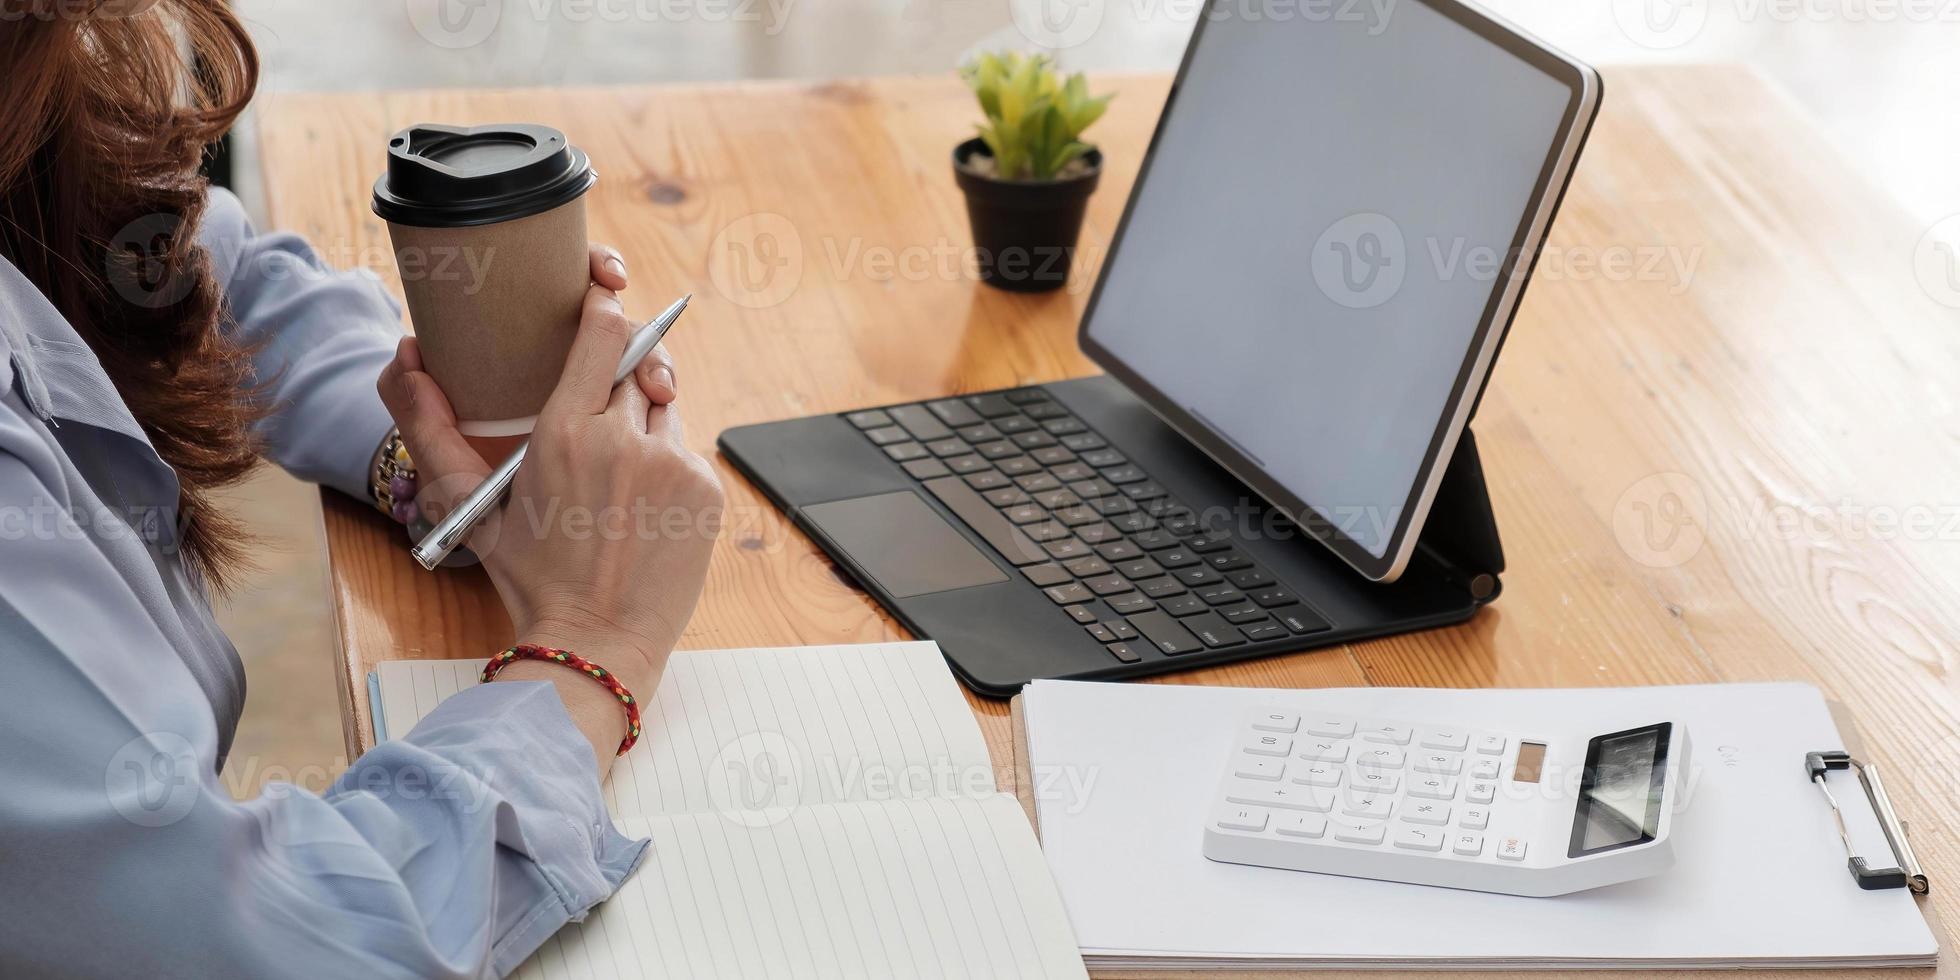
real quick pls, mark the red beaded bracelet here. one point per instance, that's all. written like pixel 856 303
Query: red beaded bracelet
pixel 528 651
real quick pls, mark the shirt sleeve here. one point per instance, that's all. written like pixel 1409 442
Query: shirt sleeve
pixel 454 851
pixel 320 338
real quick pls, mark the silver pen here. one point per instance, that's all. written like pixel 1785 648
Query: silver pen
pixel 450 532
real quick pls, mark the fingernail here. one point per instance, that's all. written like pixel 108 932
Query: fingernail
pixel 663 376
pixel 617 265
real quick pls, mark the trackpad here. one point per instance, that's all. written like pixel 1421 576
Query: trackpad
pixel 898 540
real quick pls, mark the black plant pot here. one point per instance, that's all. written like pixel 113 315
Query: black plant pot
pixel 1024 231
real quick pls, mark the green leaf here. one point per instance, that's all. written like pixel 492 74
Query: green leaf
pixel 1033 116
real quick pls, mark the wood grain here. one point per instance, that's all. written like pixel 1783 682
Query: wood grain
pixel 1780 360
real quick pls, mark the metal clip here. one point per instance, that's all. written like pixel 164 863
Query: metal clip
pixel 1905 873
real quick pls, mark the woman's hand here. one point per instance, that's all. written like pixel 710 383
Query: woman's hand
pixel 602 547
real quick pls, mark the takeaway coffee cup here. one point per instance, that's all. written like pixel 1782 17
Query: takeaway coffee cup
pixel 488 226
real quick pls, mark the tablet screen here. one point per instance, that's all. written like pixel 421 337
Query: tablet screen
pixel 1328 209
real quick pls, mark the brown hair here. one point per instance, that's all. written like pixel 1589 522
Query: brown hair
pixel 109 107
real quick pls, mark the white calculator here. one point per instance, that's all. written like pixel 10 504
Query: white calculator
pixel 1522 813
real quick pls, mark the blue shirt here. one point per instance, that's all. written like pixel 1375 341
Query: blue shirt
pixel 454 851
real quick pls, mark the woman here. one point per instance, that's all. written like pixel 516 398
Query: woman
pixel 152 349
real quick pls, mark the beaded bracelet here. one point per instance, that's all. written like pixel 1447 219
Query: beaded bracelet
pixel 393 482
pixel 527 651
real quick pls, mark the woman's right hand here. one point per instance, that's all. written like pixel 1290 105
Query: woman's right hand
pixel 602 547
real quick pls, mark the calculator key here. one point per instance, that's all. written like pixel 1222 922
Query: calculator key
pixel 1281 796
pixel 1481 791
pixel 1249 818
pixel 1326 775
pixel 1379 757
pixel 1419 838
pixel 871 419
pixel 1368 806
pixel 1490 744
pixel 1375 781
pixel 1511 848
pixel 926 469
pixel 1124 652
pixel 1260 632
pixel 1330 727
pixel 1439 762
pixel 1474 818
pixel 1309 825
pixel 1267 743
pixel 1357 831
pixel 1316 750
pixel 1390 734
pixel 1468 845
pixel 1428 812
pixel 1451 739
pixel 1484 769
pixel 1046 575
pixel 1275 720
pixel 1258 767
pixel 1433 787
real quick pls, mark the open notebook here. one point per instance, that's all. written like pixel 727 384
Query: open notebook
pixel 814 811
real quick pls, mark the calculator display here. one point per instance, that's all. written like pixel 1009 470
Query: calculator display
pixel 1620 791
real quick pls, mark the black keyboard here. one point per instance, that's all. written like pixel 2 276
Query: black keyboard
pixel 1115 551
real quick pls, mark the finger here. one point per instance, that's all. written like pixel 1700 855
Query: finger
pixel 630 404
pixel 586 385
pixel 664 424
pixel 427 423
pixel 608 267
pixel 656 376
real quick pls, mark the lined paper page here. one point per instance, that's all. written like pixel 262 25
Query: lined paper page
pixel 739 730
pixel 911 888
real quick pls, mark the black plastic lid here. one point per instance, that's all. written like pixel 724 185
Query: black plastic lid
pixel 453 177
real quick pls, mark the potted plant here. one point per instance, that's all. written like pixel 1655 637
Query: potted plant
pixel 1028 175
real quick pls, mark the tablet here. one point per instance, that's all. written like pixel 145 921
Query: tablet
pixel 1326 242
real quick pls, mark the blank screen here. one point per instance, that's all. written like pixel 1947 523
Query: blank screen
pixel 1325 218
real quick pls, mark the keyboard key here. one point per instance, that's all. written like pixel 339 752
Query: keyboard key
pixel 1176 558
pixel 1123 651
pixel 920 423
pixel 1022 396
pixel 886 436
pixel 1108 585
pixel 869 419
pixel 1162 588
pixel 1097 533
pixel 1277 720
pixel 1133 602
pixel 1368 806
pixel 1164 633
pixel 1139 568
pixel 954 413
pixel 1330 727
pixel 998 449
pixel 1103 457
pixel 1184 605
pixel 1467 845
pixel 1082 441
pixel 1064 595
pixel 1419 838
pixel 1070 472
pixel 1215 632
pixel 1123 630
pixel 1081 614
pixel 1033 439
pixel 1226 561
pixel 1101 633
pixel 1258 767
pixel 1323 750
pixel 991 406
pixel 1025 513
pixel 1387 734
pixel 1047 531
pixel 1433 787
pixel 902 451
pixel 985 521
pixel 1065 549
pixel 1323 774
pixel 1490 744
pixel 1005 496
pixel 1052 456
pixel 1017 465
pixel 1155 540
pixel 1013 424
pixel 1077 516
pixel 925 469
pixel 1300 620
pixel 1064 426
pixel 1243 614
pixel 979 433
pixel 1112 506
pixel 1296 824
pixel 1427 812
pixel 1056 499
pixel 1046 575
pixel 1234 817
pixel 1043 410
pixel 1261 632
pixel 1217 593
pixel 1510 848
pixel 1474 818
pixel 968 464
pixel 1092 488
pixel 1195 577
pixel 1267 743
pixel 1355 831
pixel 1141 492
pixel 1087 566
pixel 1205 544
pixel 1120 475
pixel 1037 482
pixel 1281 796
pixel 1247 578
pixel 1274 597
pixel 1119 551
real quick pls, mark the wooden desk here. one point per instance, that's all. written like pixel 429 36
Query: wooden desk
pixel 1799 370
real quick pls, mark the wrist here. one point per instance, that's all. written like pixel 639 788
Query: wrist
pixel 636 666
